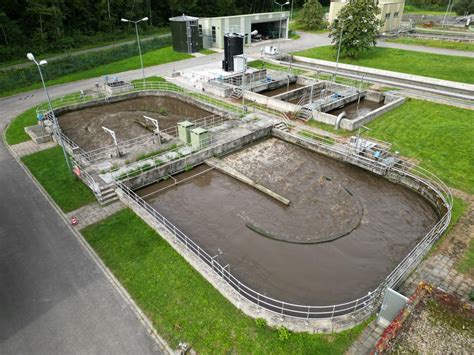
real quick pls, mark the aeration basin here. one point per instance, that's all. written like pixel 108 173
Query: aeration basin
pixel 343 232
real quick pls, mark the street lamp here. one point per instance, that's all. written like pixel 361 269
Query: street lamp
pixel 279 30
pixel 339 47
pixel 57 130
pixel 138 41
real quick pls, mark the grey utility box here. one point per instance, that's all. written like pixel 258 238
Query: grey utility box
pixel 199 138
pixel 184 129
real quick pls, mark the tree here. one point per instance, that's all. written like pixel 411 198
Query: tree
pixel 464 7
pixel 359 26
pixel 312 14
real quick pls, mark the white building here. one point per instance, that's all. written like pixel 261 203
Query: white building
pixel 270 25
pixel 391 12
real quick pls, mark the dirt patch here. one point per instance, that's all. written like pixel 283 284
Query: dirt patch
pixel 84 127
pixel 439 326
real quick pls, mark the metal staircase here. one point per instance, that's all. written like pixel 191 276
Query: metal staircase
pixel 236 93
pixel 304 113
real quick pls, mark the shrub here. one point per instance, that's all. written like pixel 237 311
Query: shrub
pixel 260 323
pixel 283 334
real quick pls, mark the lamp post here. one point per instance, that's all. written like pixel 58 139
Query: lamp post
pixel 339 47
pixel 56 128
pixel 138 41
pixel 279 30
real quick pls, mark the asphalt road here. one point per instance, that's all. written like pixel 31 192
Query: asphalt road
pixel 54 298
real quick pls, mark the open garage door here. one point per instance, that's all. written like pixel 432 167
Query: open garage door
pixel 268 30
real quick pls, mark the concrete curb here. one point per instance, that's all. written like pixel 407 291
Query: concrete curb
pixel 147 324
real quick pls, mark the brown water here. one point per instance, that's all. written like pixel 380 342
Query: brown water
pixel 281 90
pixel 213 210
pixel 354 111
pixel 84 127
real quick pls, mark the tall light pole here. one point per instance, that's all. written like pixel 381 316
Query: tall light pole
pixel 138 41
pixel 57 130
pixel 339 47
pixel 279 30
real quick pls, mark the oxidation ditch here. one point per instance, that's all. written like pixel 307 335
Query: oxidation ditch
pixel 355 109
pixel 378 222
pixel 125 118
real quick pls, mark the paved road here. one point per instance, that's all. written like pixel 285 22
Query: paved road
pixel 410 47
pixel 54 299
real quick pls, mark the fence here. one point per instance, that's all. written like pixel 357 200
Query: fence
pixel 359 307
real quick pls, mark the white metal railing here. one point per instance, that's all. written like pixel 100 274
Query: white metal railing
pixel 358 307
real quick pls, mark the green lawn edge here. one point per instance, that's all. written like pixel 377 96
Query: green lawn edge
pixel 182 305
pixel 438 66
pixel 15 132
pixel 49 168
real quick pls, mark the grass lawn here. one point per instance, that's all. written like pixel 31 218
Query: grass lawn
pixel 182 305
pixel 461 46
pixel 445 67
pixel 466 264
pixel 49 168
pixel 411 9
pixel 207 51
pixel 156 57
pixel 439 136
pixel 16 130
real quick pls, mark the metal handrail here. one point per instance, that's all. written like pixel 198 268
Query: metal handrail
pixel 360 305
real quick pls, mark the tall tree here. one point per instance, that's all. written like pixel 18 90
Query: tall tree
pixel 464 7
pixel 311 17
pixel 356 27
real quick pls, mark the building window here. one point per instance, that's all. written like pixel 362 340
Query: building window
pixel 200 30
pixel 395 14
pixel 214 40
pixel 387 16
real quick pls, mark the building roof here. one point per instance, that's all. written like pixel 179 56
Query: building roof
pixel 183 18
pixel 287 13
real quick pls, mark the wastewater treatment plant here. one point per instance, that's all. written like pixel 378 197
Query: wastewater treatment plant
pixel 290 225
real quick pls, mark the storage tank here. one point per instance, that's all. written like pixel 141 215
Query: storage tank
pixel 233 45
pixel 185 34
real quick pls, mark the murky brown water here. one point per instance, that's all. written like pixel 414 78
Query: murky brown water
pixel 353 110
pixel 84 127
pixel 281 90
pixel 213 210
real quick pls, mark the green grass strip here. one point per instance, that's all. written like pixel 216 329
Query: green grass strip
pixel 447 67
pixel 15 132
pixel 49 168
pixel 183 306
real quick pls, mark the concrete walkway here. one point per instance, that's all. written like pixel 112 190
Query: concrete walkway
pixel 411 47
pixel 30 147
pixel 93 213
